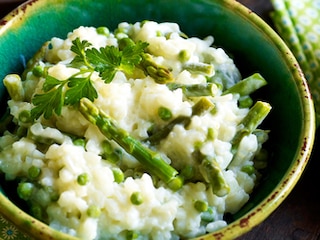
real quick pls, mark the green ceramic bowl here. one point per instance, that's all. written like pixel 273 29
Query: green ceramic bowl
pixel 255 47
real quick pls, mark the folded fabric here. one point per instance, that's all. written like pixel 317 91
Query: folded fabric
pixel 297 22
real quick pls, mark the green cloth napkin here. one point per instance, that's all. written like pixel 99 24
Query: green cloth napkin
pixel 298 23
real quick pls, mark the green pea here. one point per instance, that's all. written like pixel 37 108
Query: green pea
pixel 37 71
pixel 118 175
pixel 25 190
pixel 83 179
pixel 34 172
pixel 201 206
pixel 136 198
pixel 103 31
pixel 93 211
pixel 184 56
pixel 164 113
pixel 249 169
pixel 79 142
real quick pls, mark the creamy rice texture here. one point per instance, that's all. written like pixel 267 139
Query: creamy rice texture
pixel 133 104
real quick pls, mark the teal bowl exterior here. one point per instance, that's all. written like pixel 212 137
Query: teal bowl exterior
pixel 254 46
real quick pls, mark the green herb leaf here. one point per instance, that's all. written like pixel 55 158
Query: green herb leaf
pixel 79 48
pixel 131 56
pixel 48 103
pixel 106 61
pixel 79 88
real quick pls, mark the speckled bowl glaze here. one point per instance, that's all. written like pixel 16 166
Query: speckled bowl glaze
pixel 255 48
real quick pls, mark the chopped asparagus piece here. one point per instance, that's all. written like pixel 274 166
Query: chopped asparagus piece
pixel 160 74
pixel 247 85
pixel 193 90
pixel 151 160
pixel 245 102
pixel 46 135
pixel 200 107
pixel 158 134
pixel 199 68
pixel 249 123
pixel 252 120
pixel 25 117
pixel 14 87
pixel 212 173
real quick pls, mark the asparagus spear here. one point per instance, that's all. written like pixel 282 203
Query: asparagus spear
pixel 193 90
pixel 201 68
pixel 252 120
pixel 201 106
pixel 247 85
pixel 151 160
pixel 213 174
pixel 14 86
pixel 249 123
pixel 159 73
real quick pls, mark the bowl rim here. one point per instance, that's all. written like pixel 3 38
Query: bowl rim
pixel 267 205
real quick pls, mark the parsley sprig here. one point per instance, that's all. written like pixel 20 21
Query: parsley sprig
pixel 106 61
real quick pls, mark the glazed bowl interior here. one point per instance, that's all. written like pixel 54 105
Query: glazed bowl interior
pixel 250 41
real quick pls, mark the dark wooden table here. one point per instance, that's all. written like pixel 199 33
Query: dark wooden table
pixel 298 217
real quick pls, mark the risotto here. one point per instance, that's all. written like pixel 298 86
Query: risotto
pixel 138 133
